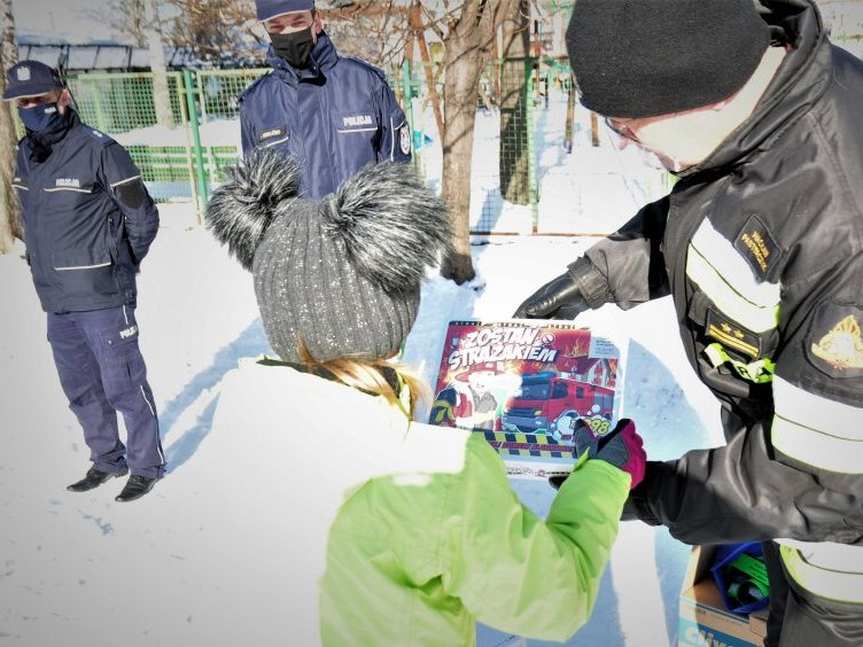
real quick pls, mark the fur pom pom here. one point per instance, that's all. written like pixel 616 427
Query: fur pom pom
pixel 393 226
pixel 240 210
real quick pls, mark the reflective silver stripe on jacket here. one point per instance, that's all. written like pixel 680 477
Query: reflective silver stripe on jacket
pixel 829 570
pixel 127 180
pixel 725 277
pixel 67 188
pixel 82 267
pixel 815 430
pixel 276 141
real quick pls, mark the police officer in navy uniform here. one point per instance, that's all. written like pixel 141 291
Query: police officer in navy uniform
pixel 88 224
pixel 333 114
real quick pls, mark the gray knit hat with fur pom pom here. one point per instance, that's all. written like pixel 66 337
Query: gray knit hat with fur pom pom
pixel 342 275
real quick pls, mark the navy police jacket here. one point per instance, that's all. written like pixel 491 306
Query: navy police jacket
pixel 334 117
pixel 88 219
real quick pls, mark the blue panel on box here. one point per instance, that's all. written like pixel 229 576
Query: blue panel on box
pixel 691 634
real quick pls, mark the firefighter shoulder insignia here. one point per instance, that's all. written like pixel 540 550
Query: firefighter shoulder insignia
pixel 730 335
pixel 835 343
pixel 758 247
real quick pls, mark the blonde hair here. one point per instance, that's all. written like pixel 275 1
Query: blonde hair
pixel 368 375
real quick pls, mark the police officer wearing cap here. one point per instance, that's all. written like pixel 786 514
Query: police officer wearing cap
pixel 88 224
pixel 333 114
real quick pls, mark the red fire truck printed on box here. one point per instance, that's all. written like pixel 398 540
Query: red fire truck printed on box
pixel 525 385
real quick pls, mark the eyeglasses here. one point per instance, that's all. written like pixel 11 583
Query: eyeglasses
pixel 621 129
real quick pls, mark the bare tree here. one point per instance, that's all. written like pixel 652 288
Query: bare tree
pixel 467 31
pixel 468 40
pixel 161 92
pixel 211 30
pixel 10 223
pixel 127 17
pixel 377 32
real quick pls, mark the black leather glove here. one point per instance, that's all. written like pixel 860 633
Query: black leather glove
pixel 637 508
pixel 560 298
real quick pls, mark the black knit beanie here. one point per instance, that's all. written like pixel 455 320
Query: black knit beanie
pixel 640 58
pixel 340 276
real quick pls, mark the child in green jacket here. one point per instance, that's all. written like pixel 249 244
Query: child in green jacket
pixel 402 534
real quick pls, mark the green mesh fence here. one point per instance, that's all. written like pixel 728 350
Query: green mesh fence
pixel 118 103
pixel 166 170
pixel 218 91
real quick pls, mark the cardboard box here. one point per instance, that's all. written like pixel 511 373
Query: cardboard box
pixel 703 620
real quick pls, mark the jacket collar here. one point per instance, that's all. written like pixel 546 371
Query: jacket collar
pixel 324 56
pixel 800 81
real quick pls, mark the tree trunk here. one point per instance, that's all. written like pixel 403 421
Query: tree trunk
pixel 161 92
pixel 514 150
pixel 10 223
pixel 570 116
pixel 463 63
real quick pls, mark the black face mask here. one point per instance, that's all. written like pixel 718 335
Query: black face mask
pixel 295 48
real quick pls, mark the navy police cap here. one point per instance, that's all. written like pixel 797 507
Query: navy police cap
pixel 31 79
pixel 267 9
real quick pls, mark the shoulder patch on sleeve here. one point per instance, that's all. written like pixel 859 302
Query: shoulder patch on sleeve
pixel 758 247
pixel 834 344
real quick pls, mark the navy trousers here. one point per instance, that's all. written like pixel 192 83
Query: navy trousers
pixel 102 372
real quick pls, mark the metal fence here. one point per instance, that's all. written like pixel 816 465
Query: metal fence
pixel 183 160
pixel 180 160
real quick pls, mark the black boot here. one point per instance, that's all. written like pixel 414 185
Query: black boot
pixel 94 479
pixel 136 487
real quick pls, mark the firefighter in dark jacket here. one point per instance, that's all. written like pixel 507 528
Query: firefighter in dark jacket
pixel 88 224
pixel 760 244
pixel 333 114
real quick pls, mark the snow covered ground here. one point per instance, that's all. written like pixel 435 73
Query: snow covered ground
pixel 99 573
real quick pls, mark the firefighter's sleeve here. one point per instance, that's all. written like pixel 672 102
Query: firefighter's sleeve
pixel 516 572
pixel 123 182
pixel 628 265
pixel 395 140
pixel 797 473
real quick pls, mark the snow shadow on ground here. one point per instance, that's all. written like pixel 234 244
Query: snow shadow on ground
pixel 250 343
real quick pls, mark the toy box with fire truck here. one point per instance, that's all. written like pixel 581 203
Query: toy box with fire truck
pixel 524 385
